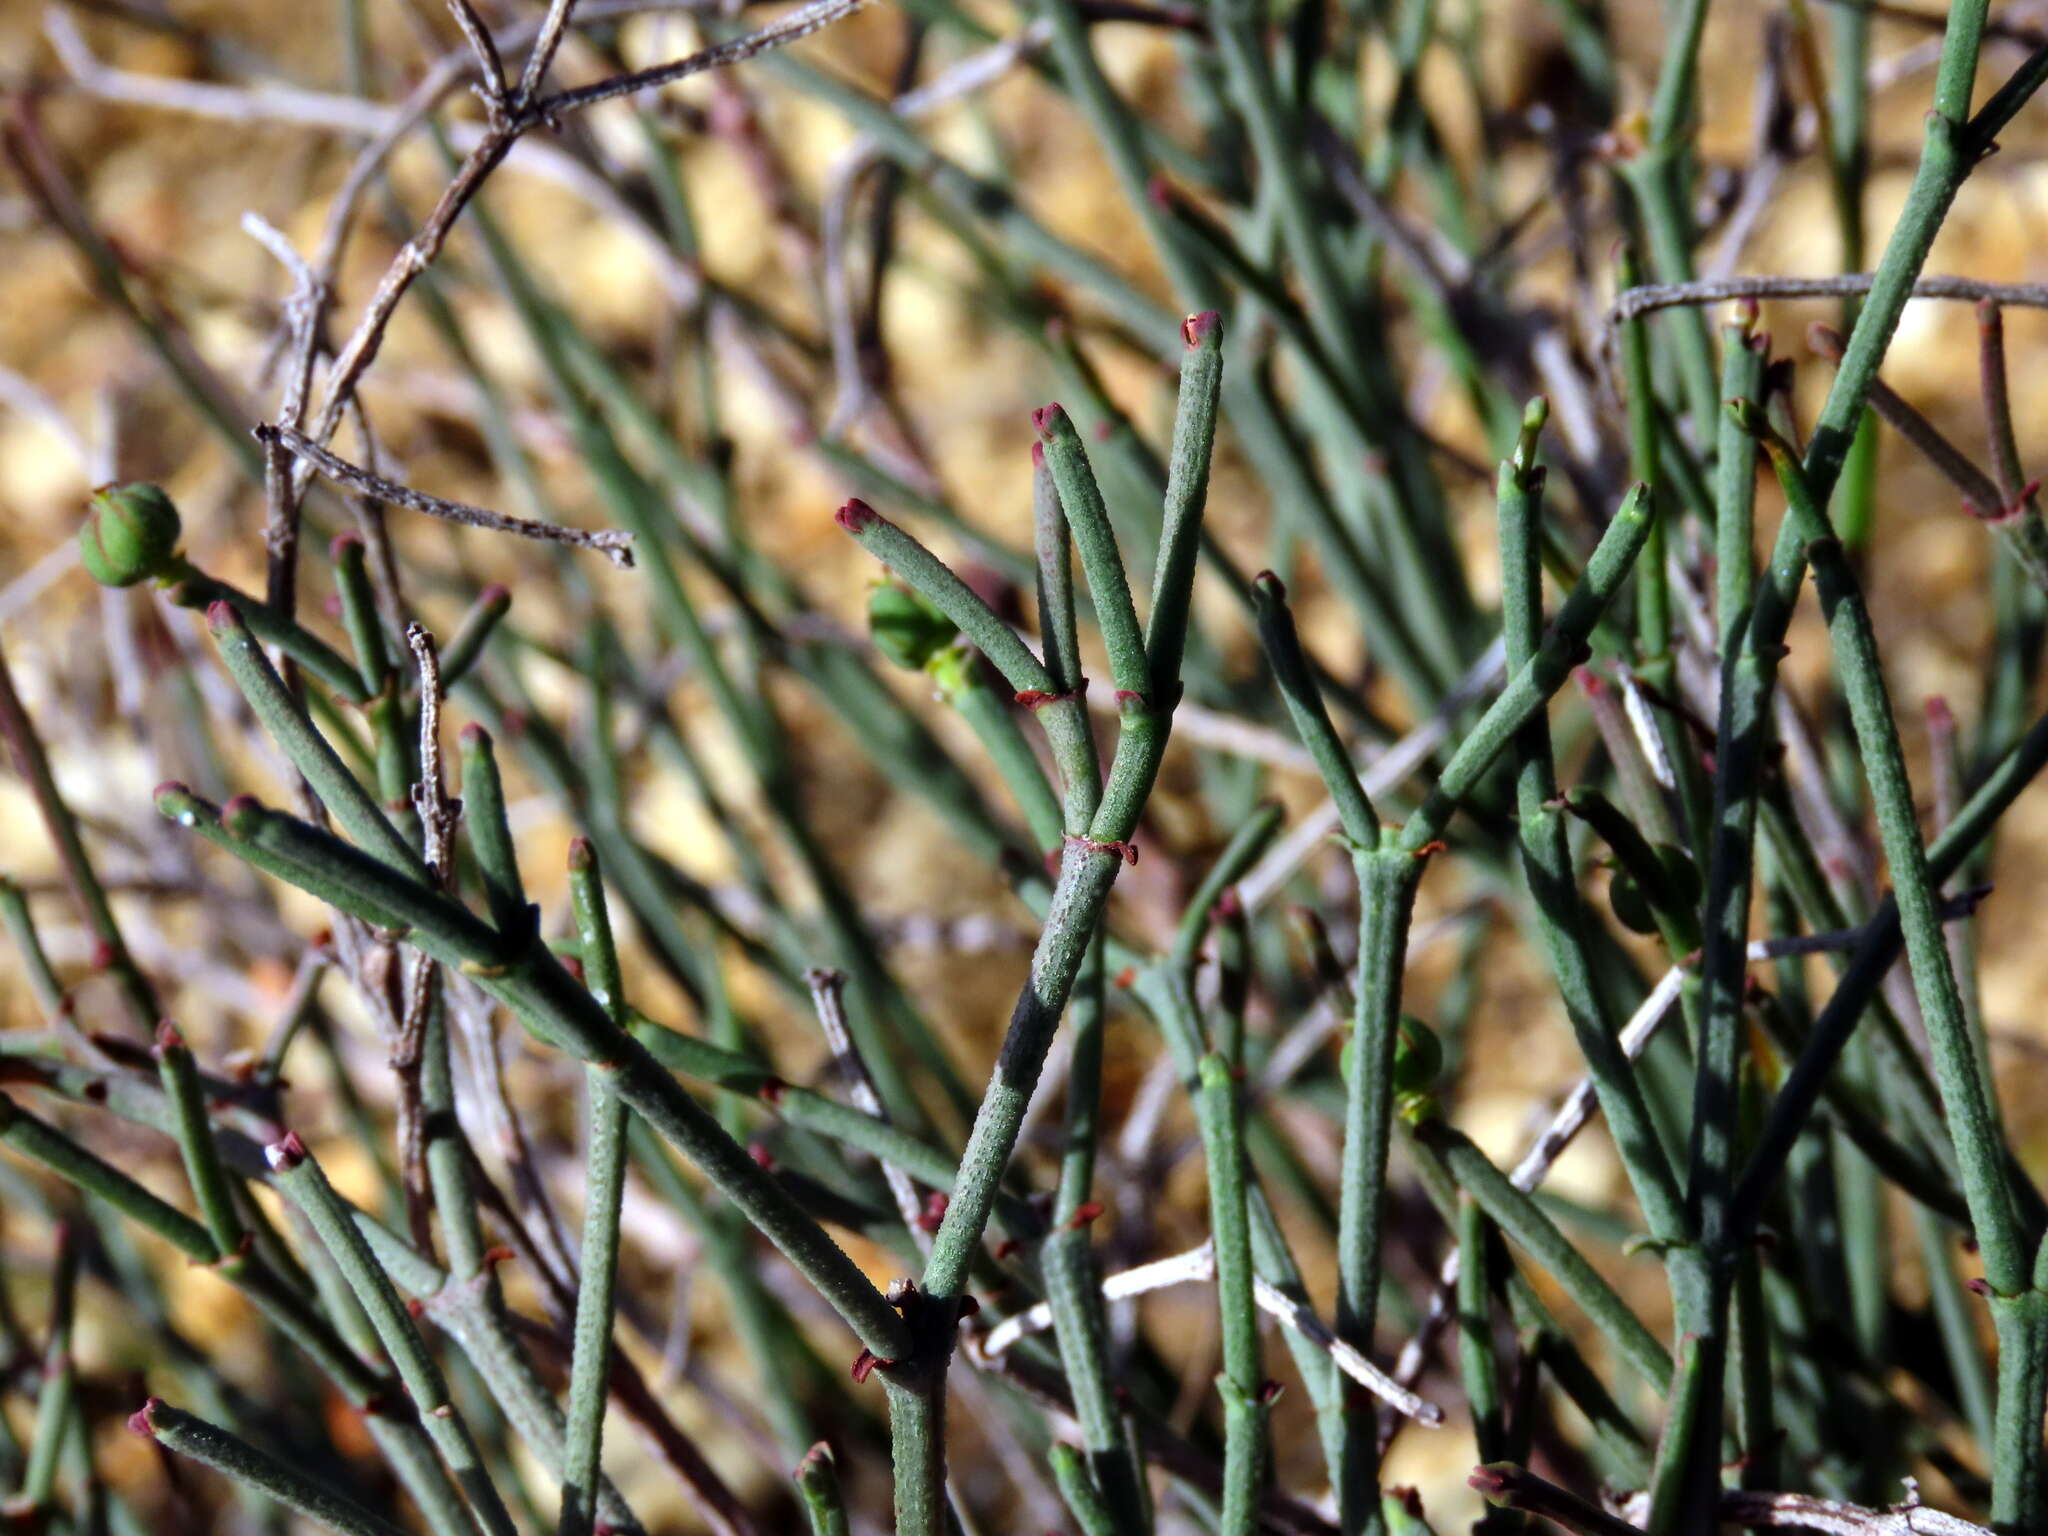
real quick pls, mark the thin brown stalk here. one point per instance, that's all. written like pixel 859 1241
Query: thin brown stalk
pixel 617 546
pixel 553 28
pixel 1646 298
pixel 828 998
pixel 799 23
pixel 1979 489
pixel 437 817
pixel 304 312
pixel 1992 378
pixel 419 252
pixel 489 66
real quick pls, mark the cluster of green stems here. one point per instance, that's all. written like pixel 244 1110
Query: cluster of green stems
pixel 1719 1137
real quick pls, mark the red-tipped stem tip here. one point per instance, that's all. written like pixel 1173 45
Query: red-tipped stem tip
pixel 284 1156
pixel 857 516
pixel 139 1421
pixel 1489 1480
pixel 818 1455
pixel 1197 330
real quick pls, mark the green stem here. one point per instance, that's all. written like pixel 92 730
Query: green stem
pixel 817 1485
pixel 2019 1470
pixel 1187 488
pixel 1242 1378
pixel 57 1396
pixel 1388 876
pixel 604 1189
pixel 1387 882
pixel 305 1184
pixel 531 981
pixel 1084 1500
pixel 209 1180
pixel 397 1432
pixel 261 1474
pixel 1967 1096
pixel 33 764
pixel 934 581
pixel 1304 700
pixel 190 587
pixel 285 719
pixel 961 679
pixel 1524 1221
pixel 1546 853
pixel 917 1454
pixel 1088 520
pixel 490 837
pixel 465 648
pixel 29 952
pixel 1479 1365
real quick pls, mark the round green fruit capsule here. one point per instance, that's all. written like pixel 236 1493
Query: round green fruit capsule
pixel 130 534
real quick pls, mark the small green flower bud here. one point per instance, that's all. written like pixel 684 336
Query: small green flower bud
pixel 129 535
pixel 1418 1057
pixel 952 671
pixel 905 628
pixel 1418 1063
pixel 1631 907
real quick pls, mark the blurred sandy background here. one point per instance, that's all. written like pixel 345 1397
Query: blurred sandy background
pixel 169 190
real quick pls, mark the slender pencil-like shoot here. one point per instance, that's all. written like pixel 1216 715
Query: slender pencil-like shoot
pixel 180 1076
pixel 305 1184
pixel 817 1484
pixel 1317 827
pixel 1242 1381
pixel 604 1186
pixel 261 1474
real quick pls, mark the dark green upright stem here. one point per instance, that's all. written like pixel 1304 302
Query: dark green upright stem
pixel 604 1188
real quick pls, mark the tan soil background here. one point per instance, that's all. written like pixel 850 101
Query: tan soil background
pixel 170 190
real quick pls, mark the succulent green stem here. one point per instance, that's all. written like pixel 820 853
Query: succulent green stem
pixel 304 1182
pixel 604 1187
pixel 260 1473
pixel 1242 1381
pixel 528 979
pixel 195 1143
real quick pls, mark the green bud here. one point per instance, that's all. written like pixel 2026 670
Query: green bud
pixel 1631 906
pixel 905 628
pixel 1418 1057
pixel 952 671
pixel 130 534
pixel 1682 874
